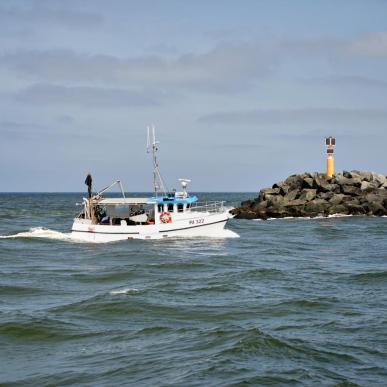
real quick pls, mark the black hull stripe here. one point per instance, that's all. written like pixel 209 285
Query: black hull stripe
pixel 137 233
pixel 108 233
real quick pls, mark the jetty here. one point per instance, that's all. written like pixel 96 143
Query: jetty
pixel 317 194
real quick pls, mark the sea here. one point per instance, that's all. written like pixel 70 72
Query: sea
pixel 289 302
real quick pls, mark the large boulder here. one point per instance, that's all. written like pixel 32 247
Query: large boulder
pixel 376 196
pixel 283 187
pixel 355 209
pixel 342 180
pixel 267 193
pixel 259 205
pixel 375 208
pixel 323 182
pixel 350 190
pixel 366 176
pixel 368 185
pixel 308 182
pixel 270 191
pixel 326 195
pixel 354 174
pixel 293 194
pixel 276 212
pixel 246 204
pixel 378 178
pixel 246 215
pixel 337 209
pixel 294 203
pixel 316 207
pixel 275 200
pixel 294 182
pixel 324 186
pixel 308 194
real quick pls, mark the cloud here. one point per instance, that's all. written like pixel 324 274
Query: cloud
pixel 65 119
pixel 371 45
pixel 37 13
pixel 293 117
pixel 19 128
pixel 224 68
pixel 26 132
pixel 48 94
pixel 350 81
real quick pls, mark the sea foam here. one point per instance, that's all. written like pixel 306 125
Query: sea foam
pixel 41 232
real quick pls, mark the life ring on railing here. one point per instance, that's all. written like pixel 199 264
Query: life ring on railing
pixel 165 217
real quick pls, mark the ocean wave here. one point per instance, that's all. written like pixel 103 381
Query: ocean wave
pixel 300 304
pixel 112 276
pixel 371 276
pixel 177 265
pixel 41 329
pixel 215 288
pixel 101 305
pixel 11 290
pixel 253 341
pixel 262 272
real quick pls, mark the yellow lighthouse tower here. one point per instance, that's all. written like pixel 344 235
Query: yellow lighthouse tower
pixel 330 143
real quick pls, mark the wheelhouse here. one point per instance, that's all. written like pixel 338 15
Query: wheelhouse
pixel 136 211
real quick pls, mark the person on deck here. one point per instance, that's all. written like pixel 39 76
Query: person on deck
pixel 89 182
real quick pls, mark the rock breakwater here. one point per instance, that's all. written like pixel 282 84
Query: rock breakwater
pixel 315 194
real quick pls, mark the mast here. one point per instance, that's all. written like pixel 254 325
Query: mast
pixel 152 146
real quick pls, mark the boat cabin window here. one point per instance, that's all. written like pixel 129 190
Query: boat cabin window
pixel 188 205
pixel 160 207
pixel 170 207
pixel 180 207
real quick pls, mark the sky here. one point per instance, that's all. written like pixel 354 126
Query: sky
pixel 242 93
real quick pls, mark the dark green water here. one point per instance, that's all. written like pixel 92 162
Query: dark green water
pixel 291 302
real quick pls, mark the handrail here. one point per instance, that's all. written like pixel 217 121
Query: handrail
pixel 209 206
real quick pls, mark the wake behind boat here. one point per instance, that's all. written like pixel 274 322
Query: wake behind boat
pixel 176 214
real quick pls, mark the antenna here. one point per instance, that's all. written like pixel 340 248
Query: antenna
pixel 158 182
pixel 147 140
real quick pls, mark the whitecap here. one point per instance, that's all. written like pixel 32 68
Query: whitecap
pixel 308 217
pixel 123 291
pixel 339 216
pixel 39 232
pixel 44 233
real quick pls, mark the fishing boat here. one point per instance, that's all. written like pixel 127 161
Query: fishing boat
pixel 162 215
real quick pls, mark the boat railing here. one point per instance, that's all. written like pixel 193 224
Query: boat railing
pixel 212 206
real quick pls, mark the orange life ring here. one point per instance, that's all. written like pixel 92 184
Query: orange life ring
pixel 165 217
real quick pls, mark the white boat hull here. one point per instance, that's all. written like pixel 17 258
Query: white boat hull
pixel 198 225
